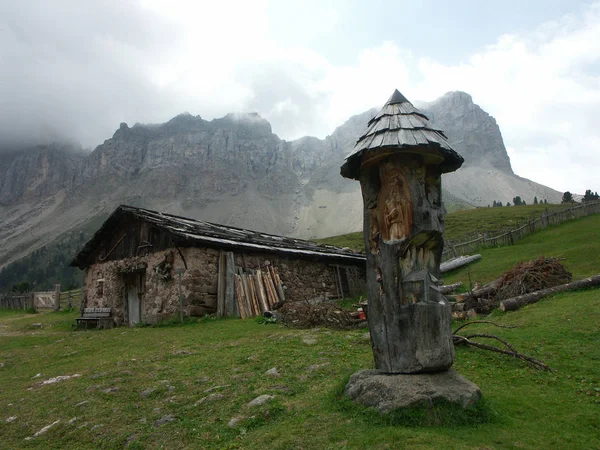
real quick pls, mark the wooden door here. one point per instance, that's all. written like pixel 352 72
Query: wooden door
pixel 135 291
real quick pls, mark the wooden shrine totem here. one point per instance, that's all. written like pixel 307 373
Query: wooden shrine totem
pixel 399 162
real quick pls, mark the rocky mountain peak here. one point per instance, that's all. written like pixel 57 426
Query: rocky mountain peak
pixel 470 130
pixel 248 124
pixel 39 171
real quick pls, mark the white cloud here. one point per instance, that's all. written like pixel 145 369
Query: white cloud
pixel 544 90
pixel 90 67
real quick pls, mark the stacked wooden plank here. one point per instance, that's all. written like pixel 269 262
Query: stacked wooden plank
pixel 257 291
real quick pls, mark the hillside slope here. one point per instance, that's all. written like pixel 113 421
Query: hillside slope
pixel 154 386
pixel 235 171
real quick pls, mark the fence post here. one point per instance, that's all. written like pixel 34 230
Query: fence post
pixel 69 304
pixel 56 297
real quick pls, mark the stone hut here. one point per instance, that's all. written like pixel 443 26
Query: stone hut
pixel 147 266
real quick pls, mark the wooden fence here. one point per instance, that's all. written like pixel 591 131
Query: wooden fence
pixel 70 299
pixel 509 237
pixel 42 299
pixel 16 301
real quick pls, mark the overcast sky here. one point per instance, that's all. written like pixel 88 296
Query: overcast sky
pixel 78 68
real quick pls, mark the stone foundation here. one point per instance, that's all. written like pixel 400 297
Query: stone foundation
pixel 105 283
pixel 388 392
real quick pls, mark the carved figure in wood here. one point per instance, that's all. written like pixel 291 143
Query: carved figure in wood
pixel 409 319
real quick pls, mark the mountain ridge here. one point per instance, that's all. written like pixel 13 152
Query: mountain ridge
pixel 234 170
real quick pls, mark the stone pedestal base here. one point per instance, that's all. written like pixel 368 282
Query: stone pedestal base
pixel 387 392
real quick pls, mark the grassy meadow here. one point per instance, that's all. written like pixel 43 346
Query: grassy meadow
pixel 180 386
pixel 460 226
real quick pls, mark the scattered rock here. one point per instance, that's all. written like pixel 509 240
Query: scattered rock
pixel 282 388
pixel 366 336
pixel 95 427
pixel 273 373
pixel 182 352
pixel 85 402
pixel 36 325
pixel 261 400
pixel 165 419
pixel 37 375
pixel 58 379
pixel 72 421
pixel 147 392
pixel 11 419
pixel 209 398
pixel 234 421
pixel 242 376
pixel 216 388
pixel 315 367
pixel 110 390
pixel 1 365
pixel 309 341
pixel 171 388
pixel 387 392
pixel 143 420
pixel 46 428
pixel 98 375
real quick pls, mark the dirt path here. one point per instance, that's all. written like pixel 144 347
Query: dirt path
pixel 5 322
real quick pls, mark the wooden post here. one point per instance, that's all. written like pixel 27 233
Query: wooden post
pixel 408 318
pixel 221 286
pixel 399 162
pixel 339 279
pixel 179 273
pixel 56 297
pixel 229 295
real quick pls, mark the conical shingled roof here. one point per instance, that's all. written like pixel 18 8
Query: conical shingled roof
pixel 399 125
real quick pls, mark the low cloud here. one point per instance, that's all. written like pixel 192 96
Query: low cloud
pixel 77 69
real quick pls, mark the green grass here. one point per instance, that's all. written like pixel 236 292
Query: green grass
pixel 577 241
pixel 524 408
pixel 460 226
pixel 181 363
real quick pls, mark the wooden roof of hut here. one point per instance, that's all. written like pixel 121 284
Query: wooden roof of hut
pixel 186 232
pixel 400 127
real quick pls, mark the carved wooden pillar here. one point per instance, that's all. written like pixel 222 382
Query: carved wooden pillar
pixel 409 320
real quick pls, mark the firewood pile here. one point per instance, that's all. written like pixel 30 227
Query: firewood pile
pixel 305 314
pixel 523 278
pixel 531 276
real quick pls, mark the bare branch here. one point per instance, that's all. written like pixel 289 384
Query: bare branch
pixel 491 336
pixel 482 321
pixel 535 362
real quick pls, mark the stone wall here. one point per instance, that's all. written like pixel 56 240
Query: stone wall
pixel 105 284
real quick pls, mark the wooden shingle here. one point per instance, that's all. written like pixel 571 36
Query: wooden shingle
pixel 399 126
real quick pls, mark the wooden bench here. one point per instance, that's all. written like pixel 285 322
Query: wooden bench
pixel 95 318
